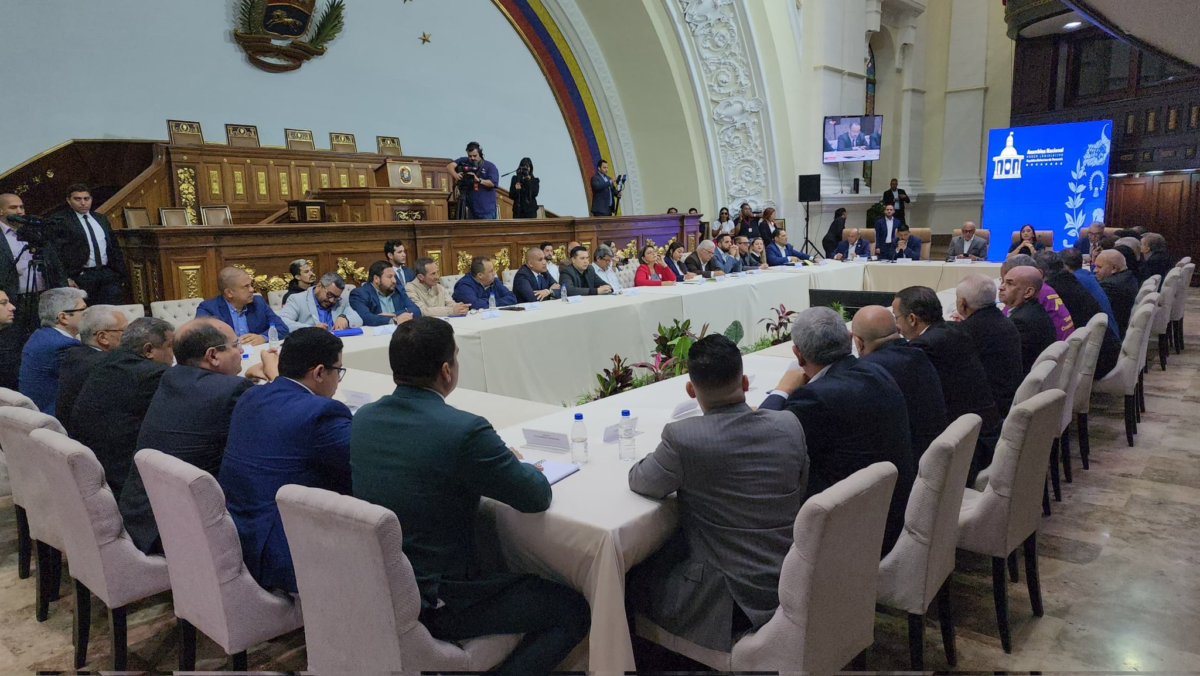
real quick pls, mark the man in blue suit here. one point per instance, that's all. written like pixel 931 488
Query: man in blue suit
pixel 397 257
pixel 533 282
pixel 886 233
pixel 290 431
pixel 475 288
pixel 907 245
pixel 780 252
pixel 828 394
pixel 249 315
pixel 853 243
pixel 382 301
pixel 59 311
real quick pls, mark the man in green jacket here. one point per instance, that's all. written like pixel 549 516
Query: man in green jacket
pixel 430 463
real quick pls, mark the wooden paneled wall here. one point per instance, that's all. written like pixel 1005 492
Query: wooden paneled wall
pixel 1168 204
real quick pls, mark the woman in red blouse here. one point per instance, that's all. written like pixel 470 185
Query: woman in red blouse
pixel 650 272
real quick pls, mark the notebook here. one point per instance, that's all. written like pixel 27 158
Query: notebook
pixel 553 470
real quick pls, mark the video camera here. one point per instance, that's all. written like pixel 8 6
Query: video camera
pixel 469 179
pixel 35 232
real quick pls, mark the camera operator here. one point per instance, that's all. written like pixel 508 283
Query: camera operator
pixel 523 189
pixel 91 257
pixel 20 279
pixel 604 192
pixel 477 178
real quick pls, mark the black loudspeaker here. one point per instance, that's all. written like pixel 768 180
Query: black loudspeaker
pixel 855 186
pixel 810 187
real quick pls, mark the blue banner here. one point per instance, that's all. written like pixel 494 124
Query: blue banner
pixel 1053 176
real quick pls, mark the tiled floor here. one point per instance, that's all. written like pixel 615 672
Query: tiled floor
pixel 1116 568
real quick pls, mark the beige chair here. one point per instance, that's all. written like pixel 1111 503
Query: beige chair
pixel 1068 382
pixel 1039 379
pixel 448 282
pixel 918 568
pixel 827 587
pixel 275 298
pixel 132 312
pixel 1162 317
pixel 1098 327
pixel 38 533
pixel 1123 378
pixel 626 276
pixel 997 518
pixel 11 398
pixel 103 559
pixel 176 311
pixel 926 244
pixel 338 544
pixel 1056 352
pixel 213 590
pixel 1178 306
pixel 1153 300
pixel 507 277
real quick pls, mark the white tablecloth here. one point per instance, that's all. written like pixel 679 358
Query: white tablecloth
pixel 936 275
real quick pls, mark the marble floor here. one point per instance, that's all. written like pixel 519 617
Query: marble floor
pixel 1115 561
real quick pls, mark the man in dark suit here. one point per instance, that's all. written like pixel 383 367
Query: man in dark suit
pixel 967 245
pixel 739 476
pixel 10 354
pixel 828 394
pixel 1080 304
pixel 852 139
pixel 59 311
pixel 907 245
pixel 1155 260
pixel 1119 284
pixel 476 287
pixel 853 243
pixel 290 431
pixel 896 197
pixel 90 254
pixel 1019 291
pixel 604 193
pixel 100 330
pixel 109 410
pixel 382 301
pixel 248 315
pixel 397 256
pixel 878 342
pixel 431 463
pixel 701 260
pixel 189 414
pixel 579 279
pixel 780 252
pixel 886 233
pixel 997 341
pixel 533 282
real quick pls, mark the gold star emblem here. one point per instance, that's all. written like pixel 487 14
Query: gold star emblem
pixel 424 38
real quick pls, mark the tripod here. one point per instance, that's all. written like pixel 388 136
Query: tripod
pixel 461 211
pixel 27 308
pixel 808 247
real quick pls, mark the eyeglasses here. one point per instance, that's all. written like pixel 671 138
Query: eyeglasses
pixel 110 331
pixel 341 372
pixel 71 312
pixel 329 295
pixel 226 346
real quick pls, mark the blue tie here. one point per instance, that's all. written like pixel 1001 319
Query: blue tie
pixel 539 281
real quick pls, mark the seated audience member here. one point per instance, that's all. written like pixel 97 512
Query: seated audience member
pixel 290 431
pixel 303 278
pixel 828 394
pixel 238 306
pixel 852 247
pixel 672 210
pixel 382 301
pixel 739 476
pixel 1132 260
pixel 724 224
pixel 532 283
pixel 767 226
pixel 10 344
pixel 996 339
pixel 188 417
pixel 1119 284
pixel 1049 299
pixel 650 272
pixel 782 253
pixel 326 306
pixel 756 256
pixel 1080 304
pixel 1019 292
pixel 431 463
pixel 397 256
pixel 100 329
pixel 475 288
pixel 907 245
pixel 59 311
pixel 618 260
pixel 551 267
pixel 878 342
pixel 1155 260
pixel 111 404
pixel 741 249
pixel 429 294
pixel 724 256
pixel 701 261
pixel 967 245
pixel 579 279
pixel 674 262
pixel 1074 263
pixel 1089 240
pixel 605 266
pixel 1027 242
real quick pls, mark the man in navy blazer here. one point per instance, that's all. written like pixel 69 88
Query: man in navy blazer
pixel 907 245
pixel 829 393
pixel 382 301
pixel 474 288
pixel 250 316
pixel 59 311
pixel 290 431
pixel 780 252
pixel 533 283
pixel 852 242
pixel 397 256
pixel 886 233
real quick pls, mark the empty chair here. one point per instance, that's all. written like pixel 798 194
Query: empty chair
pixel 1068 384
pixel 918 568
pixel 1177 306
pixel 1123 379
pixel 997 518
pixel 1086 364
pixel 214 592
pixel 103 559
pixel 1183 262
pixel 1162 318
pixel 38 533
pixel 827 587
pixel 1154 301
pixel 338 543
pixel 176 311
pixel 1039 380
pixel 1147 289
pixel 13 398
pixel 1056 352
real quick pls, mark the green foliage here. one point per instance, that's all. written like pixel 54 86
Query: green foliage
pixel 874 213
pixel 760 344
pixel 331 23
pixel 779 327
pixel 250 16
pixel 658 370
pixel 667 336
pixel 841 310
pixel 735 332
pixel 616 379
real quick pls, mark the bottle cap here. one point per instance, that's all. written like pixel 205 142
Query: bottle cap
pixel 579 416
pixel 625 413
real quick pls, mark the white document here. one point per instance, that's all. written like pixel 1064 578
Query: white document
pixel 547 441
pixel 553 470
pixel 489 314
pixel 574 299
pixel 612 433
pixel 385 330
pixel 533 306
pixel 905 261
pixel 630 292
pixel 686 408
pixel 354 399
pixel 755 271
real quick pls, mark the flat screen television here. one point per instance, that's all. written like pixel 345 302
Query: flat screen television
pixel 851 138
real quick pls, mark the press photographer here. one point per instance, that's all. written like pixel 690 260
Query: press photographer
pixel 606 193
pixel 523 189
pixel 475 179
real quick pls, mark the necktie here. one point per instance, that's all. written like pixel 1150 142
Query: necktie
pixel 539 281
pixel 92 236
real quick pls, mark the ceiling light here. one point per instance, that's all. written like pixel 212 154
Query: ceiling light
pixel 1072 25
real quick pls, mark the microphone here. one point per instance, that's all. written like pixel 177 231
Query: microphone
pixel 24 220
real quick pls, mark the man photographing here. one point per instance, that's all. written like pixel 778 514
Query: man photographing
pixel 604 191
pixel 476 177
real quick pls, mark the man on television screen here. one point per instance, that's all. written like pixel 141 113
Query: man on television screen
pixel 854 139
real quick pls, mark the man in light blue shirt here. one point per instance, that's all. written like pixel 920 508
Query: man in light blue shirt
pixel 724 255
pixel 602 263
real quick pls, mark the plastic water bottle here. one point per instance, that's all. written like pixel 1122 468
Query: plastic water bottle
pixel 492 300
pixel 579 439
pixel 273 336
pixel 625 437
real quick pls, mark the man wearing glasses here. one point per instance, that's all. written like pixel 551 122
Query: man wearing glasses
pixel 100 329
pixel 967 245
pixel 246 313
pixel 290 431
pixel 59 312
pixel 326 307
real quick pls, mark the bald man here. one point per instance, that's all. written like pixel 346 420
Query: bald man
pixel 1019 291
pixel 1119 284
pixel 878 341
pixel 533 282
pixel 245 312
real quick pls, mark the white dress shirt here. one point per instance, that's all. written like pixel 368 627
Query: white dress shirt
pixel 891 228
pixel 90 223
pixel 609 276
pixel 22 258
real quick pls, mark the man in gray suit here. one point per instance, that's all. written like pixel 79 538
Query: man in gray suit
pixel 740 477
pixel 326 305
pixel 967 245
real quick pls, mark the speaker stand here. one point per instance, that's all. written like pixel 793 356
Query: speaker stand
pixel 808 247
